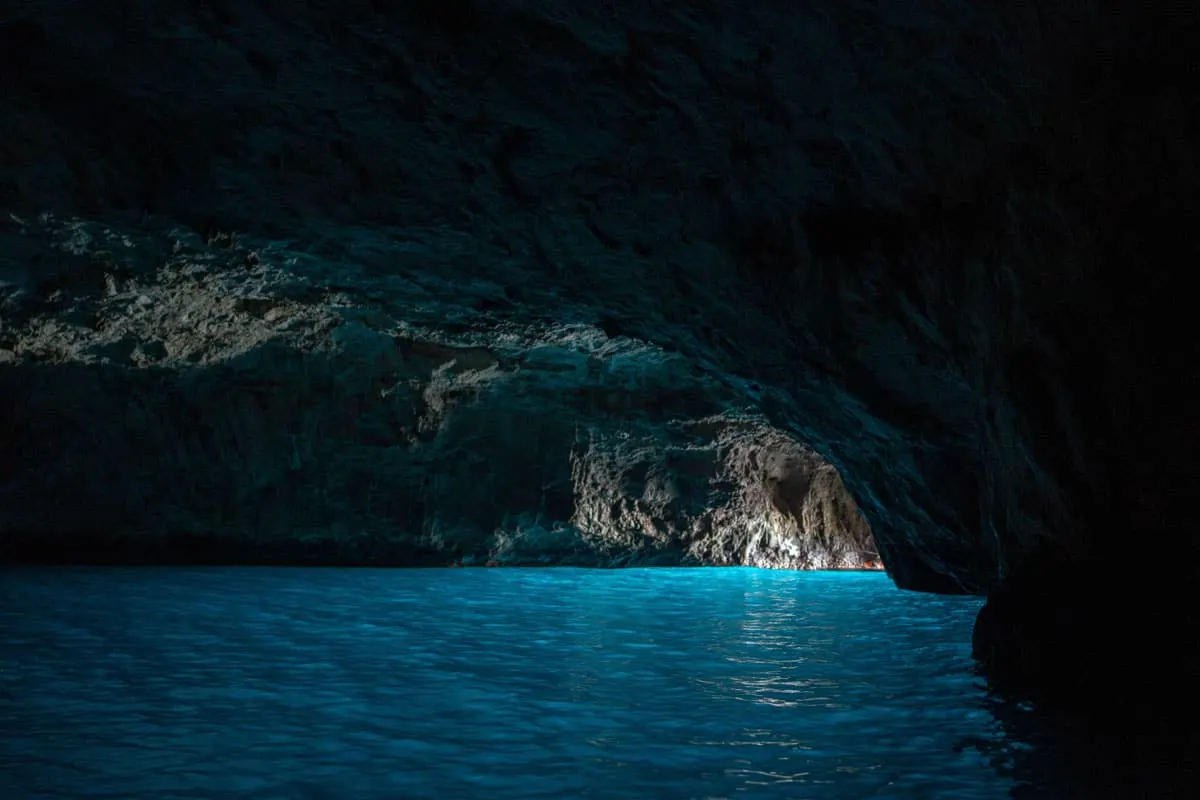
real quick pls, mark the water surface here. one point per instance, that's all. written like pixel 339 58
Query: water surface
pixel 486 683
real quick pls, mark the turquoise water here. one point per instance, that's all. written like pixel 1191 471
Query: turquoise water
pixel 486 683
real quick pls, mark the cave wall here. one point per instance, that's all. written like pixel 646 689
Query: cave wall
pixel 928 239
pixel 162 407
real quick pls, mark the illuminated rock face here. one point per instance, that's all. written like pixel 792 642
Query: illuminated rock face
pixel 499 249
pixel 179 399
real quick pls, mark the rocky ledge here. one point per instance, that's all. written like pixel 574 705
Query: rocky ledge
pixel 551 282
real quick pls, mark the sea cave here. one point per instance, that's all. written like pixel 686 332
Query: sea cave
pixel 631 287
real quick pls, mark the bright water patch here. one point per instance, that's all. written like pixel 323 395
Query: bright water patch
pixel 486 683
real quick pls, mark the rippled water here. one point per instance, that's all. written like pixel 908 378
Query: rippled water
pixel 478 683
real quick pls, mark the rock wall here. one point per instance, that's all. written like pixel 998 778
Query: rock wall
pixel 170 398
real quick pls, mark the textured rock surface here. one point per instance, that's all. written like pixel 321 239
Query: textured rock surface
pixel 178 399
pixel 935 240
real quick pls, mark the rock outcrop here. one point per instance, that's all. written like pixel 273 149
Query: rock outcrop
pixel 536 270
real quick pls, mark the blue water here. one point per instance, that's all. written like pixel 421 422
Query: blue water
pixel 486 683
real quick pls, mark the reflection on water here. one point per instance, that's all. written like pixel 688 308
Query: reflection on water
pixel 715 683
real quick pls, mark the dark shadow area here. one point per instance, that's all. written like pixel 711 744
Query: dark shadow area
pixel 1059 755
pixel 1093 667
